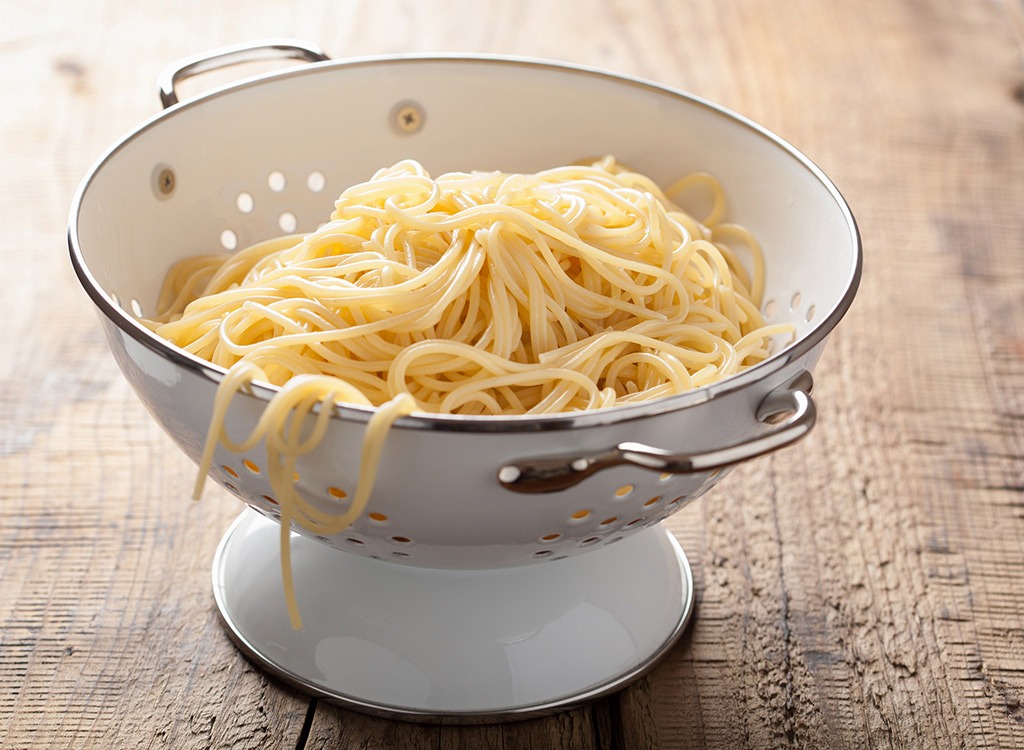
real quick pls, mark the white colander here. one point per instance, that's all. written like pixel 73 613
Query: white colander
pixel 506 565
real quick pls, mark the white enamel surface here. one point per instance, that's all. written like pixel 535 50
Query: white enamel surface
pixel 437 499
pixel 500 602
pixel 412 641
pixel 335 120
pixel 454 596
pixel 436 502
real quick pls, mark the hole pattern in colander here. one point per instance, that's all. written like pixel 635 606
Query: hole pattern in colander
pixel 625 508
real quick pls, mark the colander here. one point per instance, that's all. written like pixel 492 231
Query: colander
pixel 507 566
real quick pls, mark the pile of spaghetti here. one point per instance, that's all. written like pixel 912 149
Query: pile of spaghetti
pixel 579 287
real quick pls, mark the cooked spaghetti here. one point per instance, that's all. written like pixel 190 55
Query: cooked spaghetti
pixel 576 288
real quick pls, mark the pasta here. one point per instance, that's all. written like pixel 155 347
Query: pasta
pixel 579 287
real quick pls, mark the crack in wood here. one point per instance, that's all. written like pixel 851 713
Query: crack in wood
pixel 307 725
pixel 789 710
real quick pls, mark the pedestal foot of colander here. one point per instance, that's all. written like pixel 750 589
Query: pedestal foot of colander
pixel 454 645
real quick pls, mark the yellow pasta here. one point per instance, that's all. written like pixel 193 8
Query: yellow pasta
pixel 579 287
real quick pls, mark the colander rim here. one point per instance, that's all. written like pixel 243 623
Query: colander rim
pixel 479 423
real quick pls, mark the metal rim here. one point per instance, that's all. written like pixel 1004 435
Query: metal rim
pixel 456 422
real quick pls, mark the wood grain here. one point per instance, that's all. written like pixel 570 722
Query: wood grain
pixel 862 590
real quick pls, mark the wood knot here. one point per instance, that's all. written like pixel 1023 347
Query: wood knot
pixel 74 72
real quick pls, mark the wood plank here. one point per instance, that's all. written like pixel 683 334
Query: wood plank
pixel 852 569
pixel 571 730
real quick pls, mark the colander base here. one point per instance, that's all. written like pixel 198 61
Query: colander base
pixel 465 645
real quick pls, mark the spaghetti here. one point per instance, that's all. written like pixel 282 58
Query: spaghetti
pixel 579 287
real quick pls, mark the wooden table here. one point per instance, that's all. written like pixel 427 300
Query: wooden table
pixel 864 589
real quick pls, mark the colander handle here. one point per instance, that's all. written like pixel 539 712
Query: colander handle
pixel 267 49
pixel 789 409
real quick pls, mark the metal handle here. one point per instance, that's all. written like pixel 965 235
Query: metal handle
pixel 789 408
pixel 268 49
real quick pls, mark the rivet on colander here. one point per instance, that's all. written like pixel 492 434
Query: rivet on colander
pixel 407 117
pixel 163 181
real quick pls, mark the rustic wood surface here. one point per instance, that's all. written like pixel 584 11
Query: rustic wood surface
pixel 864 589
